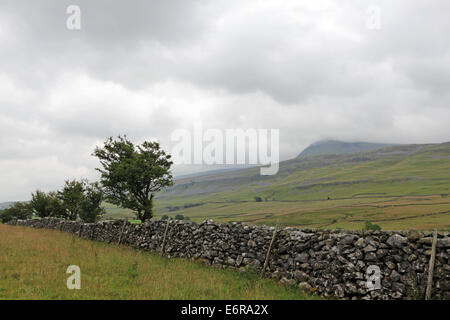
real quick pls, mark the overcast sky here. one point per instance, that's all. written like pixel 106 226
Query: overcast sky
pixel 313 69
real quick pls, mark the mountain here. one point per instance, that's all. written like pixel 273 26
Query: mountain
pixel 208 172
pixel 339 147
pixel 397 187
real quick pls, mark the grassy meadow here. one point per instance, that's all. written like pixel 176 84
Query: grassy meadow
pixel 400 187
pixel 33 264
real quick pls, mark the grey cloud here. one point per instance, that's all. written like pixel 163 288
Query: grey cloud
pixel 312 69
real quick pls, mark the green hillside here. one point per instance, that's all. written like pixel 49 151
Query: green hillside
pixel 397 187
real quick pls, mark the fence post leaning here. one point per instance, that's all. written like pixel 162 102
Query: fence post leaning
pixel 163 245
pixel 93 231
pixel 266 262
pixel 121 232
pixel 431 266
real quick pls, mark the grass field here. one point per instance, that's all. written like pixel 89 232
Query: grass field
pixel 400 187
pixel 33 264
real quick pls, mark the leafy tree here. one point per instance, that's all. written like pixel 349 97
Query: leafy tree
pixel 80 199
pixel 179 217
pixel 165 217
pixel 71 197
pixel 19 210
pixel 91 209
pixel 56 206
pixel 132 174
pixel 46 204
pixel 258 199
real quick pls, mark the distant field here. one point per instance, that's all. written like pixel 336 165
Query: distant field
pixel 33 264
pixel 400 187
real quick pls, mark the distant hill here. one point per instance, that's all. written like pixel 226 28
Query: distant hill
pixel 339 147
pixel 396 187
pixel 5 205
pixel 209 172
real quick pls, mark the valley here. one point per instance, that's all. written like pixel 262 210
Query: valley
pixel 396 187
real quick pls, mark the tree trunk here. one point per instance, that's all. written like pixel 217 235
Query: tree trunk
pixel 148 209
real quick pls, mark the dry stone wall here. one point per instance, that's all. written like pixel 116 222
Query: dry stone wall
pixel 331 263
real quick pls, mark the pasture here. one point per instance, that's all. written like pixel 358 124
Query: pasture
pixel 33 264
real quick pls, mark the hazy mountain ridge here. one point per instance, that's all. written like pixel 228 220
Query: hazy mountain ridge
pixel 229 181
pixel 397 187
pixel 339 147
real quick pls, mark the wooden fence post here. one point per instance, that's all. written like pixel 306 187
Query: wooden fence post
pixel 79 231
pixel 121 232
pixel 163 245
pixel 93 231
pixel 266 262
pixel 431 267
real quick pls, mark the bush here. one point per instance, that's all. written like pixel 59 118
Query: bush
pixel 165 217
pixel 258 199
pixel 91 210
pixel 179 217
pixel 19 210
pixel 40 204
pixel 370 226
pixel 46 205
pixel 71 197
pixel 80 199
pixel 56 206
pixel 77 200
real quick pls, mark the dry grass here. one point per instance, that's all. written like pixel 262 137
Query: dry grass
pixel 33 265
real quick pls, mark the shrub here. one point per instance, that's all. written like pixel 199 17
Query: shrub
pixel 46 205
pixel 91 210
pixel 258 199
pixel 19 210
pixel 179 217
pixel 370 226
pixel 56 206
pixel 81 199
pixel 40 204
pixel 165 217
pixel 71 197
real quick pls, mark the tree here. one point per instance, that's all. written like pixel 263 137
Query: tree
pixel 179 217
pixel 91 209
pixel 132 174
pixel 258 199
pixel 165 217
pixel 80 199
pixel 19 210
pixel 46 204
pixel 56 206
pixel 72 196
